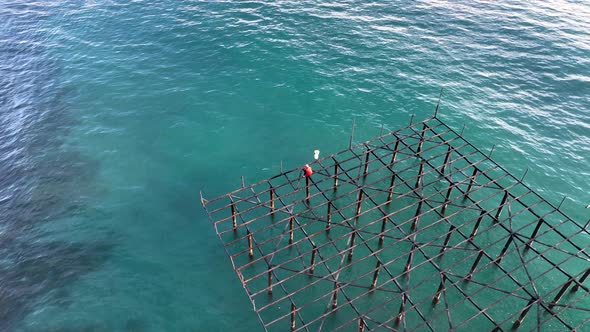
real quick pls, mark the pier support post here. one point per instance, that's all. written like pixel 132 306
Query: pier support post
pixel 400 314
pixel 447 157
pixel 419 151
pixel 409 261
pixel 291 221
pixel 359 204
pixel 233 216
pixel 419 177
pixel 471 180
pixel 383 225
pixel 523 313
pixel 447 199
pixel 335 295
pixel 417 215
pixel 361 325
pixel 503 252
pixel 474 266
pixel 436 297
pixel 250 249
pixel 391 186
pixel 367 155
pixel 392 183
pixel 269 291
pixel 329 216
pixel 535 231
pixel 560 294
pixel 577 285
pixel 293 308
pixel 313 254
pixel 497 216
pixel 479 219
pixel 376 275
pixel 335 175
pixel 272 200
pixel 447 238
pixel 351 250
pixel 394 154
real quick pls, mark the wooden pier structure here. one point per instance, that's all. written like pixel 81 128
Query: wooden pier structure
pixel 414 230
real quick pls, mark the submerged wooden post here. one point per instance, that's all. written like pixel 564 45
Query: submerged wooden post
pixel 474 231
pixel 421 139
pixel 269 291
pixel 419 178
pixel 447 238
pixel 447 199
pixel 393 157
pixel 335 295
pixel 233 216
pixel 417 215
pixel 474 265
pixel 376 275
pixel 400 314
pixel 523 313
pixel 391 186
pixel 329 216
pixel 560 294
pixel 291 221
pixel 335 175
pixel 535 231
pixel 250 249
pixel 501 206
pixel 503 252
pixel 361 324
pixel 359 204
pixel 293 316
pixel 312 263
pixel 441 286
pixel 409 261
pixel 471 180
pixel 382 236
pixel 351 250
pixel 367 155
pixel 272 200
pixel 577 285
pixel 447 157
pixel 436 297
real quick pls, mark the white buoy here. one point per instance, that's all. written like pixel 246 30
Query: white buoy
pixel 316 154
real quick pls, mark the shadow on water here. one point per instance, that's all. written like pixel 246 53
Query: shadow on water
pixel 40 180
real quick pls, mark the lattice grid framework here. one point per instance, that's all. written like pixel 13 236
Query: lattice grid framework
pixel 416 229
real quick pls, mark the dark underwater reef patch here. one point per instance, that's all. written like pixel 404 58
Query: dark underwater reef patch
pixel 32 270
pixel 41 179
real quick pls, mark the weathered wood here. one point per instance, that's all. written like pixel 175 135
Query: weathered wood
pixel 447 158
pixel 312 263
pixel 293 308
pixel 497 216
pixel 233 216
pixel 376 274
pixel 269 291
pixel 291 222
pixel 250 249
pixel 335 175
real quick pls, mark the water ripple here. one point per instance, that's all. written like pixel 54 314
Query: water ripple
pixel 112 112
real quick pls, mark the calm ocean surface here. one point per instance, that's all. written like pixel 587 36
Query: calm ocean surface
pixel 114 114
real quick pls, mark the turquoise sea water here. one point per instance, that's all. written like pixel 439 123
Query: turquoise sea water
pixel 114 114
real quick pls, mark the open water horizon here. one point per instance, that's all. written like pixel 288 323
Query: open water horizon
pixel 115 114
